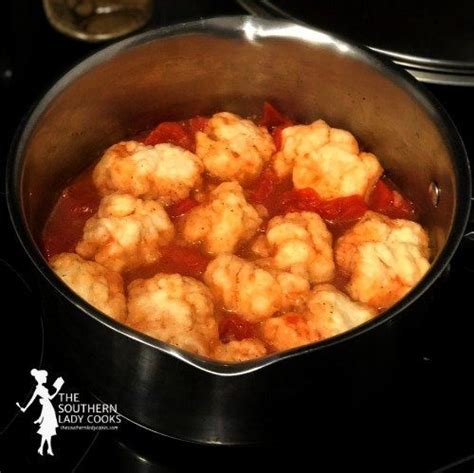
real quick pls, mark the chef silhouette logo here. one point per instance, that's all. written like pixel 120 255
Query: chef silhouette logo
pixel 48 422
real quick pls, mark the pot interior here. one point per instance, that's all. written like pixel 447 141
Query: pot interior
pixel 211 68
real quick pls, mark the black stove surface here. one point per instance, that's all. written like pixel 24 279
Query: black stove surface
pixel 430 428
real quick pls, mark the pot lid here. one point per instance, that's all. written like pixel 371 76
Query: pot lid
pixel 433 37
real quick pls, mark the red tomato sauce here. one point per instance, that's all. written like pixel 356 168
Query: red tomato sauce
pixel 232 327
pixel 76 204
pixel 80 200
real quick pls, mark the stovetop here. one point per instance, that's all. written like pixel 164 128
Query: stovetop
pixel 435 412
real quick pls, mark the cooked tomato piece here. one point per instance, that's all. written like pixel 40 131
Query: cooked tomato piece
pixel 170 132
pixel 343 209
pixel 386 200
pixel 268 191
pixel 275 121
pixel 300 200
pixel 381 196
pixel 264 187
pixel 181 207
pixel 233 327
pixel 77 203
pixel 272 118
pixel 402 207
pixel 197 123
pixel 340 210
pixel 184 260
pixel 277 136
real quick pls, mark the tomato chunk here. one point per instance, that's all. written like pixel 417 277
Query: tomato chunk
pixel 275 121
pixel 268 190
pixel 277 135
pixel 339 210
pixel 343 209
pixel 177 133
pixel 381 196
pixel 77 203
pixel 171 132
pixel 180 208
pixel 272 118
pixel 264 187
pixel 233 327
pixel 386 200
pixel 184 260
pixel 298 200
pixel 197 123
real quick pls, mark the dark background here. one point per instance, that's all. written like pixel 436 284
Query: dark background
pixel 436 410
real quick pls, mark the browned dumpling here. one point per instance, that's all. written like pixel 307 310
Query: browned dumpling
pixel 333 172
pixel 175 309
pixel 327 312
pixel 224 222
pixel 240 350
pixel 126 232
pixel 300 243
pixel 289 331
pixel 249 290
pixel 384 258
pixel 300 140
pixel 99 286
pixel 331 312
pixel 243 287
pixel 327 160
pixel 234 149
pixel 163 172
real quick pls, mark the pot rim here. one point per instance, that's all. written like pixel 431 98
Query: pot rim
pixel 250 29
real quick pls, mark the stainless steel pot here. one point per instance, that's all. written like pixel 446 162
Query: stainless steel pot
pixel 234 64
